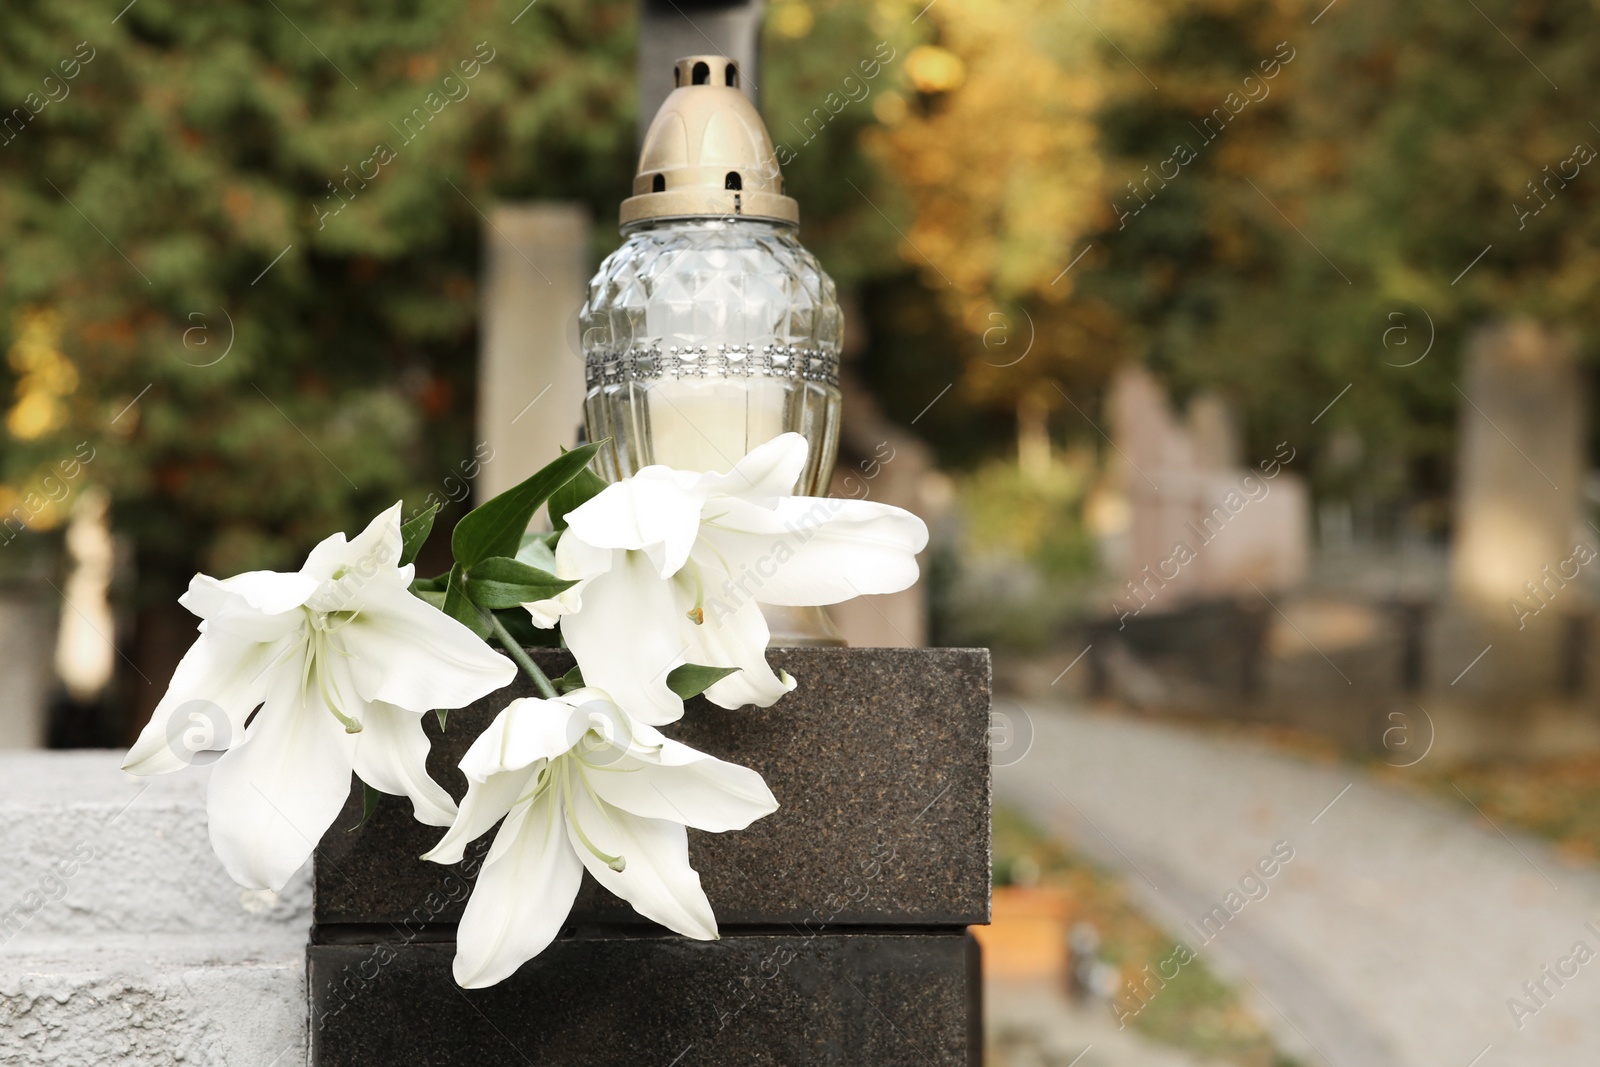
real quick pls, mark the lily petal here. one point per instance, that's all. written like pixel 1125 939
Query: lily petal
pixel 626 637
pixel 768 472
pixel 374 550
pixel 391 755
pixel 522 897
pixel 273 797
pixel 409 653
pixel 256 605
pixel 527 729
pixel 817 550
pixel 576 561
pixel 656 877
pixel 656 511
pixel 484 805
pixel 546 613
pixel 215 687
pixel 735 634
pixel 684 785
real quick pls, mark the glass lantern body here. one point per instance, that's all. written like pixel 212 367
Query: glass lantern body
pixel 705 337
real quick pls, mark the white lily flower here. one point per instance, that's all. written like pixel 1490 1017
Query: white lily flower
pixel 343 661
pixel 582 785
pixel 674 567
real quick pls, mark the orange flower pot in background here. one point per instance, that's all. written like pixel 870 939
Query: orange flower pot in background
pixel 1027 938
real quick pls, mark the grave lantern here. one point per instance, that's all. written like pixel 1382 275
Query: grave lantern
pixel 712 329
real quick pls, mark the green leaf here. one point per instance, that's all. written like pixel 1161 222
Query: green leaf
pixel 459 606
pixel 431 590
pixel 429 596
pixel 580 490
pixel 414 533
pixel 442 713
pixel 502 582
pixel 539 550
pixel 495 528
pixel 573 679
pixel 369 804
pixel 692 679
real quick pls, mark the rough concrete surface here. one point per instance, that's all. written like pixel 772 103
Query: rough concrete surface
pixel 121 939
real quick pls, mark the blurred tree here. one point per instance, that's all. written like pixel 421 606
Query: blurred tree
pixel 992 137
pixel 962 166
pixel 1317 239
pixel 243 242
pixel 242 248
pixel 1208 185
pixel 827 65
pixel 1437 151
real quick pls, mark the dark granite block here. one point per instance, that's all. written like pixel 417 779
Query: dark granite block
pixel 879 758
pixel 888 1000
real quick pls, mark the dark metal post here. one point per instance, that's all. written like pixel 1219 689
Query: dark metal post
pixel 670 29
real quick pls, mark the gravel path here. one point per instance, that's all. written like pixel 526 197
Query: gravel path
pixel 1393 937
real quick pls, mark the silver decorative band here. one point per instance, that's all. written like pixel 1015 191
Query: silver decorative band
pixel 642 363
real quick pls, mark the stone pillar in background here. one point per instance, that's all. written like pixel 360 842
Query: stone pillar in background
pixel 878 460
pixel 27 626
pixel 85 648
pixel 1033 435
pixel 1214 431
pixel 1520 464
pixel 530 366
pixel 1504 675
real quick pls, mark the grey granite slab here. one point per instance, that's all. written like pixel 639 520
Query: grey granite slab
pixel 884 999
pixel 879 758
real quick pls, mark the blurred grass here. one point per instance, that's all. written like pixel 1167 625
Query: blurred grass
pixel 1035 517
pixel 1196 1011
pixel 1026 557
pixel 1557 799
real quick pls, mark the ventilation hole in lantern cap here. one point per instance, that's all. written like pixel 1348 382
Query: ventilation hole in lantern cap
pixel 702 74
pixel 732 76
pixel 677 77
pixel 733 181
pixel 659 184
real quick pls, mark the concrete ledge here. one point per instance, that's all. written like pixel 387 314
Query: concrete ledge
pixel 91 850
pixel 122 942
pixel 161 999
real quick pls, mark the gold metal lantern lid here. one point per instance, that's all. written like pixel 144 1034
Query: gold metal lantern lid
pixel 707 152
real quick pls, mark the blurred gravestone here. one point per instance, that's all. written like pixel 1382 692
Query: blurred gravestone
pixel 530 381
pixel 1520 465
pixel 1199 524
pixel 1519 480
pixel 27 618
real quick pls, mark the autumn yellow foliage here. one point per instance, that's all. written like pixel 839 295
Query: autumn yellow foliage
pixel 46 377
pixel 997 151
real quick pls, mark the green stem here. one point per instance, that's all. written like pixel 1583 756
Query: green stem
pixel 520 656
